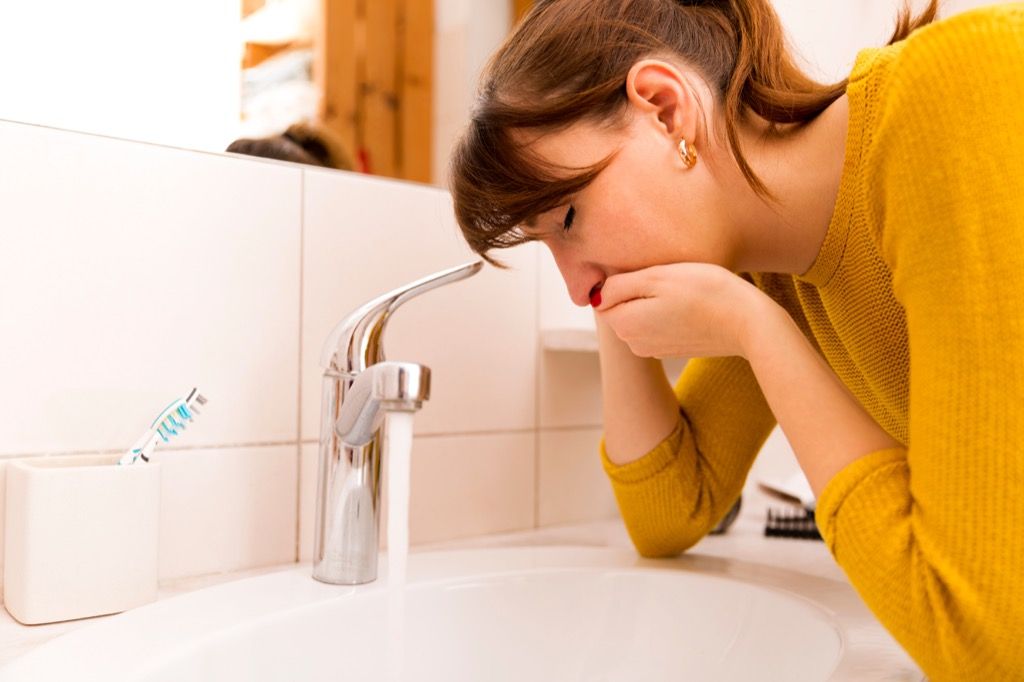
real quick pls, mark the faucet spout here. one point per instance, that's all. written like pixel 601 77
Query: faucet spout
pixel 356 342
pixel 359 387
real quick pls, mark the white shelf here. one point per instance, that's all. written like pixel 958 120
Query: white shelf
pixel 569 340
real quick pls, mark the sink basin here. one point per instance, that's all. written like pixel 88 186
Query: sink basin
pixel 555 614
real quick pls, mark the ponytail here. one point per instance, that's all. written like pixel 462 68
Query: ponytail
pixel 765 79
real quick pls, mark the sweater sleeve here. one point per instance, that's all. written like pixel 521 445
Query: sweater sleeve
pixel 674 495
pixel 931 535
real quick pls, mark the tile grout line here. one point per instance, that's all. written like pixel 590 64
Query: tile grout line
pixel 164 448
pixel 298 401
pixel 496 432
pixel 280 443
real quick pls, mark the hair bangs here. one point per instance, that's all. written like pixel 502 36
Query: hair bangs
pixel 499 183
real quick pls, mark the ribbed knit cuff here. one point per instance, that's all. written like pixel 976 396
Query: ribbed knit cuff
pixel 648 466
pixel 849 478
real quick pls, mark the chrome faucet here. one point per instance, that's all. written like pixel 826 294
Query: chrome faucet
pixel 359 387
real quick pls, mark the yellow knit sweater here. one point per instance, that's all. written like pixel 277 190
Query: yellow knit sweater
pixel 916 300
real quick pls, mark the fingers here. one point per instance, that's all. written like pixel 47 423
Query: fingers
pixel 624 287
pixel 631 321
pixel 624 303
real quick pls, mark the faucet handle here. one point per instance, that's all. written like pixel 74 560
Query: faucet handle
pixel 383 387
pixel 357 341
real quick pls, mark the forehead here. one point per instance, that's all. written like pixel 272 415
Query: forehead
pixel 577 147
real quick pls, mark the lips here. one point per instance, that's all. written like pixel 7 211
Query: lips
pixel 595 295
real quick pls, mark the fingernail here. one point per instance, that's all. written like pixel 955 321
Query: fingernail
pixel 595 296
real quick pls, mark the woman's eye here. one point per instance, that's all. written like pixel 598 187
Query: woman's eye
pixel 570 215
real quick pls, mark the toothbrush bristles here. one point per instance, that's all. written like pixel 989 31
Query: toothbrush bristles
pixel 169 423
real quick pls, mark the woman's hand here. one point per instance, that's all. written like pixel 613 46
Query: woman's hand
pixel 698 310
pixel 681 310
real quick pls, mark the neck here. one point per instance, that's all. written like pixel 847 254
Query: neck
pixel 802 169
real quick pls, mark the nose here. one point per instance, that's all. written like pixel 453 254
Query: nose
pixel 579 276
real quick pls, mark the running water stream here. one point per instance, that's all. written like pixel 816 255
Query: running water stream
pixel 397 451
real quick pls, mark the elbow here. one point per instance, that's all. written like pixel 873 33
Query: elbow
pixel 666 535
pixel 665 521
pixel 658 552
pixel 665 545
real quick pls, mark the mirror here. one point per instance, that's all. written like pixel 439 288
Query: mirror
pixel 385 85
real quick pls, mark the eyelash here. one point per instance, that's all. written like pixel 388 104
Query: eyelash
pixel 570 216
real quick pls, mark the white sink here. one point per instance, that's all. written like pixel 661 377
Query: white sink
pixel 532 614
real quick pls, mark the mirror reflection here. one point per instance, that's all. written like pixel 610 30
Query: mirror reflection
pixel 379 86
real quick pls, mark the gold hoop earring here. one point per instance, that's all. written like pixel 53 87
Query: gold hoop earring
pixel 688 154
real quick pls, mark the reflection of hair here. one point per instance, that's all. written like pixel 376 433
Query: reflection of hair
pixel 302 142
pixel 567 61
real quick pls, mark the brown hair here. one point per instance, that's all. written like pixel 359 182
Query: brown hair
pixel 303 142
pixel 567 61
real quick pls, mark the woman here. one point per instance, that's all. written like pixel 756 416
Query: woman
pixel 846 260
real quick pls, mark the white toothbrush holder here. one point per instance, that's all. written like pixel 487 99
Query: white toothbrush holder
pixel 81 537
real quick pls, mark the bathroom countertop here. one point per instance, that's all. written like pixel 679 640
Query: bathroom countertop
pixel 800 566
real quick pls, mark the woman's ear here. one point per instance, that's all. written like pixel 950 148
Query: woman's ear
pixel 659 90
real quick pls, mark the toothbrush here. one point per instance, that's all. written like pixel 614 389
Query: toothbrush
pixel 165 425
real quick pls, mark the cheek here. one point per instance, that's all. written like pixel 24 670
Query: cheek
pixel 632 227
pixel 628 179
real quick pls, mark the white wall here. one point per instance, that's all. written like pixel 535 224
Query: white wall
pixel 828 34
pixel 466 32
pixel 166 72
pixel 129 274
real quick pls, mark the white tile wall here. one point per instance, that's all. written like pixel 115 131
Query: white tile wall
pixel 557 311
pixel 130 273
pixel 471 485
pixel 307 499
pixel 227 509
pixel 570 389
pixel 573 487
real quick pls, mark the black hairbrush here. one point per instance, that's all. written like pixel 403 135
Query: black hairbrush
pixel 791 523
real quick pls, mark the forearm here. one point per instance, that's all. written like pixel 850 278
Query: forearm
pixel 640 409
pixel 825 425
